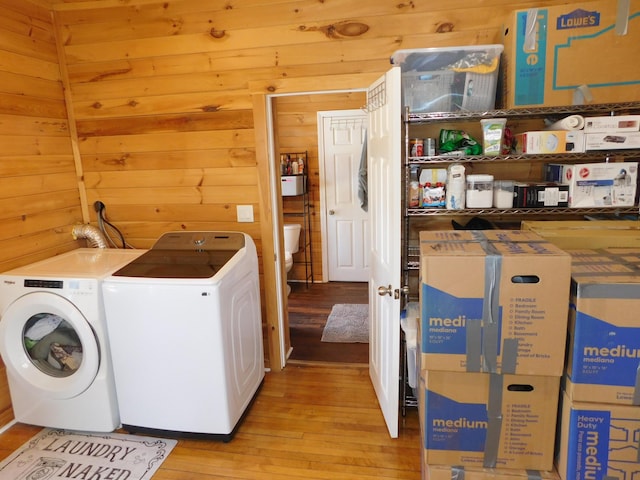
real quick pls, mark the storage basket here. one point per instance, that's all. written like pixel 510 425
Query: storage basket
pixel 449 91
pixel 449 79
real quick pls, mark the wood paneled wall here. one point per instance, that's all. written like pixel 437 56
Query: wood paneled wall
pixel 39 195
pixel 162 96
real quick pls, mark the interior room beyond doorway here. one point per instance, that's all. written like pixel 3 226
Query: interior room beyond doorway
pixel 296 129
pixel 309 307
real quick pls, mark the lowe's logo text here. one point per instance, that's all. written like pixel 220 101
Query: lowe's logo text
pixel 578 19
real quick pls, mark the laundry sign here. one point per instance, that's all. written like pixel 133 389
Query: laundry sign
pixel 65 454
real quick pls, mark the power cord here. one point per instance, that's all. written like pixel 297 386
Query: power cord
pixel 101 209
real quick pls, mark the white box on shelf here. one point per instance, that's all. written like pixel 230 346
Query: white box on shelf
pixel 600 184
pixel 619 123
pixel 293 185
pixel 550 141
pixel 612 140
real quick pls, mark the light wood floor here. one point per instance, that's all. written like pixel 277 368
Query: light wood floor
pixel 308 422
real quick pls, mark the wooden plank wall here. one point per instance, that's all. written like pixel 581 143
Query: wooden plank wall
pixel 161 100
pixel 162 91
pixel 39 196
pixel 297 130
pixel 161 95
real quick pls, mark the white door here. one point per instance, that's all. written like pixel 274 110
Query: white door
pixel 347 223
pixel 384 172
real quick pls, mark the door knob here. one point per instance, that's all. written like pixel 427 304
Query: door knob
pixel 332 212
pixel 382 291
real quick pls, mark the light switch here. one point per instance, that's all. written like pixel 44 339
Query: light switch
pixel 245 213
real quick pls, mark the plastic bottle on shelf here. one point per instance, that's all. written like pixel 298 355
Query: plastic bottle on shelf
pixel 456 186
pixel 301 165
pixel 414 188
pixel 426 195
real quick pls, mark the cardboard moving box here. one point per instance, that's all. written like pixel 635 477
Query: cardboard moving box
pixel 598 441
pixel 493 301
pixel 604 330
pixel 445 472
pixel 489 420
pixel 562 55
pixel 575 234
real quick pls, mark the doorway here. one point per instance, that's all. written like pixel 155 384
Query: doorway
pixel 296 128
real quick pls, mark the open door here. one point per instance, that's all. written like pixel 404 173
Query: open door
pixel 384 196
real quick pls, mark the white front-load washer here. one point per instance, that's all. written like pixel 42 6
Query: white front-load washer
pixel 54 343
pixel 185 329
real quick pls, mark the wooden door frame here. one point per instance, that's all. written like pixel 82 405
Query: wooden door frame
pixel 271 219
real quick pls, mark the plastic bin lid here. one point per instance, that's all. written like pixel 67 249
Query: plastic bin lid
pixel 438 58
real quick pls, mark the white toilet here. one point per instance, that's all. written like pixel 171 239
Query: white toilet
pixel 291 245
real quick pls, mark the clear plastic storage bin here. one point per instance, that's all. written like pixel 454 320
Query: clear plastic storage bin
pixel 449 79
pixel 479 191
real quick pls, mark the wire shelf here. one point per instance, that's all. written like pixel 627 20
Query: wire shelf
pixel 602 108
pixel 429 212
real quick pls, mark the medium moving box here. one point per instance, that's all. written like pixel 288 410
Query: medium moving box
pixel 571 54
pixel 598 441
pixel 604 330
pixel 493 301
pixel 446 472
pixel 489 420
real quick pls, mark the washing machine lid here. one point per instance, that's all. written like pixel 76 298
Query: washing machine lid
pixel 185 255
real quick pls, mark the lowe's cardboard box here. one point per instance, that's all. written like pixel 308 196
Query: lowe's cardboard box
pixel 598 441
pixel 493 301
pixel 572 54
pixel 604 330
pixel 484 420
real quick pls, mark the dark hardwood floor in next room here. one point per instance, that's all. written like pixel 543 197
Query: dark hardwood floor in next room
pixel 309 307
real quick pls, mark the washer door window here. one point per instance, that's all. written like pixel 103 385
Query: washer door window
pixel 48 345
pixel 52 344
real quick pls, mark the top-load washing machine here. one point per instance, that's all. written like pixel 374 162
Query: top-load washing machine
pixel 185 331
pixel 53 340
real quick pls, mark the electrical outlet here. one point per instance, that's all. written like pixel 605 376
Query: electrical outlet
pixel 245 213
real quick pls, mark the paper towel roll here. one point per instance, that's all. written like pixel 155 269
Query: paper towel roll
pixel 572 122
